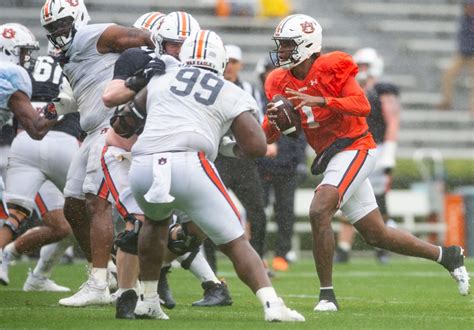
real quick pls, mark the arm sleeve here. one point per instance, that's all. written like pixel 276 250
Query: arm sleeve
pixel 352 101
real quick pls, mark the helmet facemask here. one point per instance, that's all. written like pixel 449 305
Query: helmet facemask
pixel 293 58
pixel 61 32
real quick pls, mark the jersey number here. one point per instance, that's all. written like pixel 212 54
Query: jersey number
pixel 44 71
pixel 209 85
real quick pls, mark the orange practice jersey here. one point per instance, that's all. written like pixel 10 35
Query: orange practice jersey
pixel 333 77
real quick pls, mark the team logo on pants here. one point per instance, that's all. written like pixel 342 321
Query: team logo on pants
pixel 162 161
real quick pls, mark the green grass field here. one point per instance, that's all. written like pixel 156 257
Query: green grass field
pixel 406 294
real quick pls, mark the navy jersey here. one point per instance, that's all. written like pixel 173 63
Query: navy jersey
pixel 375 120
pixel 47 78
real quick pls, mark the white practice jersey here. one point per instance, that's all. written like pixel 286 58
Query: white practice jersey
pixel 89 71
pixel 13 78
pixel 190 109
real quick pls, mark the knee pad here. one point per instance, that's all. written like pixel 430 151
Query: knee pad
pixel 184 242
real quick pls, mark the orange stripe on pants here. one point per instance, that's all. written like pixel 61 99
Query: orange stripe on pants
pixel 110 184
pixel 351 172
pixel 41 205
pixel 217 182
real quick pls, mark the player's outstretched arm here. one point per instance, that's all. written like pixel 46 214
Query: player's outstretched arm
pixel 117 93
pixel 249 135
pixel 35 125
pixel 116 38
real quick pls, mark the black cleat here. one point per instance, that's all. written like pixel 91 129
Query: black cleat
pixel 453 260
pixel 341 256
pixel 215 294
pixel 126 304
pixel 166 298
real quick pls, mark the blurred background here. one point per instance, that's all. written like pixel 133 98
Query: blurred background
pixel 433 181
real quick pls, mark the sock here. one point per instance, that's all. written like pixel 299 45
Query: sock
pixel 344 246
pixel 99 274
pixel 11 248
pixel 49 256
pixel 149 288
pixel 440 257
pixel 327 293
pixel 201 269
pixel 266 295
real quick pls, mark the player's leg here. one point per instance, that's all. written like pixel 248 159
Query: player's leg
pixel 24 179
pixel 218 218
pixel 285 187
pixel 90 184
pixel 345 239
pixel 344 173
pixel 374 231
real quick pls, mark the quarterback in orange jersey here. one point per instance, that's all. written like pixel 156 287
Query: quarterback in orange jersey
pixel 332 108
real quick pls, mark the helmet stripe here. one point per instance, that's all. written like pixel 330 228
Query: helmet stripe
pixel 205 43
pixel 46 8
pixel 282 24
pixel 184 22
pixel 200 44
pixel 149 20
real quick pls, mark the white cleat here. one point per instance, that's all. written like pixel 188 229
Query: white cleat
pixel 461 276
pixel 40 283
pixel 4 280
pixel 325 306
pixel 90 293
pixel 5 258
pixel 112 276
pixel 278 312
pixel 149 308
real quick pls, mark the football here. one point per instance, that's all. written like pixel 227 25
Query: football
pixel 288 119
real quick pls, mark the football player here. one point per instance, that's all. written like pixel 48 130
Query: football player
pixel 16 46
pixel 168 39
pixel 383 123
pixel 41 167
pixel 333 111
pixel 89 53
pixel 189 109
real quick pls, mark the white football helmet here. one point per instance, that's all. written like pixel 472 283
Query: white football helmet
pixel 16 44
pixel 62 19
pixel 175 27
pixel 204 49
pixel 305 32
pixel 149 21
pixel 372 59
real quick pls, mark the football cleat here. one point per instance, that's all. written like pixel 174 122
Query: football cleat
pixel 90 293
pixel 453 260
pixel 126 304
pixel 40 283
pixel 4 261
pixel 112 276
pixel 164 291
pixel 149 308
pixel 280 264
pixel 215 294
pixel 341 256
pixel 326 306
pixel 278 312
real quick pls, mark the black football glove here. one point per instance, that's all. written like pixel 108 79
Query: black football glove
pixel 153 68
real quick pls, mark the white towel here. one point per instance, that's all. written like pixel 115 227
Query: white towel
pixel 159 191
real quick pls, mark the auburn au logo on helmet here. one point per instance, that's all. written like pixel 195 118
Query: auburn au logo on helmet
pixel 9 33
pixel 73 3
pixel 307 27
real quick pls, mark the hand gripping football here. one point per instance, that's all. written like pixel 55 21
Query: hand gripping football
pixel 288 119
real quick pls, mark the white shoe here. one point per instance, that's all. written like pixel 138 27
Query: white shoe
pixel 149 308
pixel 278 312
pixel 5 258
pixel 112 276
pixel 325 306
pixel 90 293
pixel 461 276
pixel 40 283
